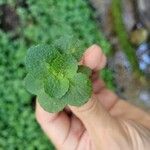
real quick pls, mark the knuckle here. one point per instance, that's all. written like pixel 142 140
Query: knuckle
pixel 87 108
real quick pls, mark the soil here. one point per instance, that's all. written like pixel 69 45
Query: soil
pixel 22 3
pixel 9 20
pixel 33 103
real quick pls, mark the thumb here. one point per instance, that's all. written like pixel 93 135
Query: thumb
pixel 94 116
pixel 96 119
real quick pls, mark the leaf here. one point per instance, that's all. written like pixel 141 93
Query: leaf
pixel 32 84
pixel 38 59
pixel 84 70
pixel 50 104
pixel 69 45
pixel 56 86
pixel 56 79
pixel 79 91
pixel 65 65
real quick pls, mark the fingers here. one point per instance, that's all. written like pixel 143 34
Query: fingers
pixel 53 124
pixel 93 114
pixel 68 128
pixel 94 58
pixel 63 131
pixel 99 123
pixel 107 98
pixel 98 85
pixel 93 111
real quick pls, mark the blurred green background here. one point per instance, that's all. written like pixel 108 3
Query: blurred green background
pixel 24 23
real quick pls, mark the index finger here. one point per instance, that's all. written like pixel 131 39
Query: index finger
pixel 55 125
pixel 94 58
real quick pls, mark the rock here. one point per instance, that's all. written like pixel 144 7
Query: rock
pixel 143 54
pixel 144 96
pixel 139 34
pixel 143 8
pixel 9 20
pixel 128 14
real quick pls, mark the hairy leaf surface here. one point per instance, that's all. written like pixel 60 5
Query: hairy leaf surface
pixel 54 75
pixel 79 91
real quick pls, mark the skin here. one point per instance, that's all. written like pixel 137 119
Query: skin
pixel 105 122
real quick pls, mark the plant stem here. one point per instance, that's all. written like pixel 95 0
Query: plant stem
pixel 123 36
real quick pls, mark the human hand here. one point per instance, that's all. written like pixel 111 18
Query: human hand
pixel 105 122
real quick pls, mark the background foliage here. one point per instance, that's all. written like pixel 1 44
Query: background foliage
pixel 122 34
pixel 39 22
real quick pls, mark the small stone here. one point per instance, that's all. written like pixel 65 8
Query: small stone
pixel 138 36
pixel 143 54
pixel 9 19
pixel 144 96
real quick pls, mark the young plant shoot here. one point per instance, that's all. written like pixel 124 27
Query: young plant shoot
pixel 56 77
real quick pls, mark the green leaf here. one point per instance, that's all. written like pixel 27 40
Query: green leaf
pixel 84 70
pixel 50 104
pixel 55 77
pixel 56 86
pixel 38 59
pixel 69 45
pixel 79 91
pixel 65 65
pixel 32 84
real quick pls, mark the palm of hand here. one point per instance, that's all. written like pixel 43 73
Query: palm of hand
pixel 105 122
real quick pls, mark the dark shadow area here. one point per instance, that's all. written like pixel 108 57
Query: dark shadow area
pixel 9 19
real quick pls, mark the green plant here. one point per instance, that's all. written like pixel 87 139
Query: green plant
pixel 54 77
pixel 123 36
pixel 40 22
pixel 107 75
